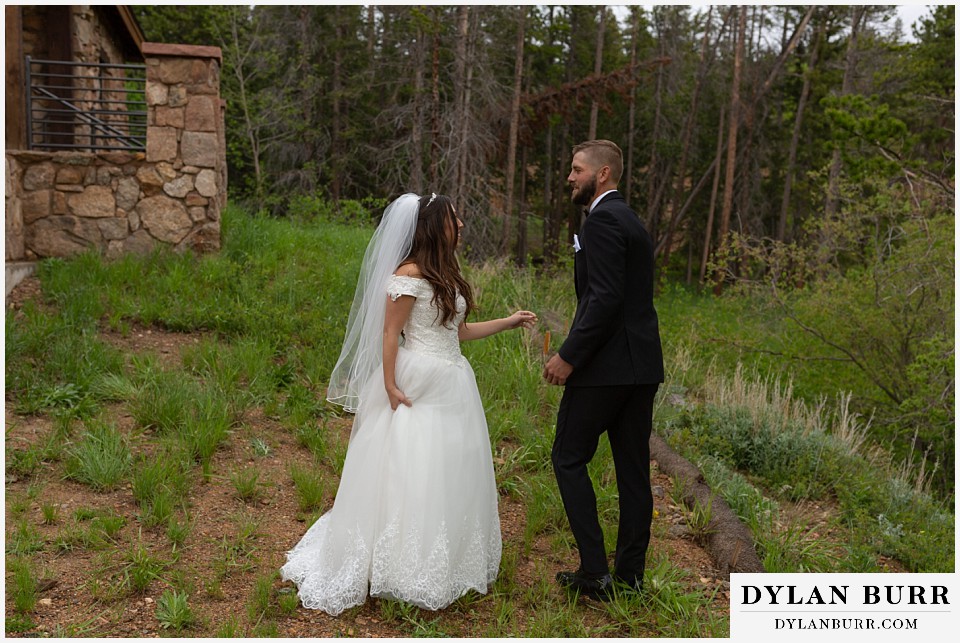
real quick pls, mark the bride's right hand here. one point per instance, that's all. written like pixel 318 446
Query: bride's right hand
pixel 397 398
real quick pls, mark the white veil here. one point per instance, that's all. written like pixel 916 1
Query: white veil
pixel 362 352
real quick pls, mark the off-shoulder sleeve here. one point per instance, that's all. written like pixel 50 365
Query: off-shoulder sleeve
pixel 402 285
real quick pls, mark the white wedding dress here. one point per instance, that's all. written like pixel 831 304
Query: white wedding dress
pixel 415 517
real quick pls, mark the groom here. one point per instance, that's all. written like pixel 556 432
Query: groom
pixel 611 365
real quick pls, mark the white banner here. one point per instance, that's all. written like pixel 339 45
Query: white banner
pixel 844 607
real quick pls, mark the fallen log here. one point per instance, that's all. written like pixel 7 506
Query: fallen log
pixel 727 540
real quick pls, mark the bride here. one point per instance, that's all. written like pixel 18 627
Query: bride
pixel 415 518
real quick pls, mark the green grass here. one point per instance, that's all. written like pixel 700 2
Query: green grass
pixel 24 462
pixel 162 399
pixel 90 529
pixel 769 428
pixel 140 568
pixel 18 623
pixel 160 484
pixel 246 484
pixel 109 524
pixel 309 486
pixel 259 604
pixel 230 629
pixel 198 414
pixel 101 459
pixel 166 472
pixel 313 437
pixel 675 610
pixel 287 601
pixel 238 550
pixel 84 628
pixel 173 611
pixel 208 426
pixel 260 448
pixel 114 387
pixel 75 538
pixel 51 513
pixel 803 453
pixel 24 540
pixel 23 586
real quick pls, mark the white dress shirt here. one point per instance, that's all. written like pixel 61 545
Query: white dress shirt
pixel 597 200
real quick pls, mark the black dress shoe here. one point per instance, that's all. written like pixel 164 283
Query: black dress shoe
pixel 597 586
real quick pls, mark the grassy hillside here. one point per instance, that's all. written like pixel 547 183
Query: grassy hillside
pixel 165 428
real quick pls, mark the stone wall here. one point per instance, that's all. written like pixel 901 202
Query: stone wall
pixel 61 203
pixel 93 40
pixel 82 33
pixel 13 213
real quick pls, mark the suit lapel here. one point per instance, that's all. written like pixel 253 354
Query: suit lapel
pixel 579 268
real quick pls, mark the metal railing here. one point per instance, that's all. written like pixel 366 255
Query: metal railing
pixel 85 106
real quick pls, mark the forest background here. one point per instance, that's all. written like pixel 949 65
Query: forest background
pixel 166 436
pixel 799 155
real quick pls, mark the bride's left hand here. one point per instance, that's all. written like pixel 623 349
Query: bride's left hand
pixel 521 318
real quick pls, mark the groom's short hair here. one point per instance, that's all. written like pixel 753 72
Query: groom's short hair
pixel 603 152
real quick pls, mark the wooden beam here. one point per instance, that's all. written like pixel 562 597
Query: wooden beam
pixel 15 114
pixel 133 27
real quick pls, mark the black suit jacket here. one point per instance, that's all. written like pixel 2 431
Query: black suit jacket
pixel 615 337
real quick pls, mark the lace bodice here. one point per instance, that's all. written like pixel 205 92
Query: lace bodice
pixel 423 332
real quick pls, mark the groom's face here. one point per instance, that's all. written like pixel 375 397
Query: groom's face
pixel 582 179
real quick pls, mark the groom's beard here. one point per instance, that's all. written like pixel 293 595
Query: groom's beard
pixel 584 195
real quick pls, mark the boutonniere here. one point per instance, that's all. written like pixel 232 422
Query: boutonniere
pixel 576 243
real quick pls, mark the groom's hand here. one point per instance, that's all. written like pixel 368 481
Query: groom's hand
pixel 557 370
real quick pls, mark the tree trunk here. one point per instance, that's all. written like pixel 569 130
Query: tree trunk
pixel 652 173
pixel 795 138
pixel 416 128
pixel 463 30
pixel 335 125
pixel 686 135
pixel 713 201
pixel 523 209
pixel 550 166
pixel 548 177
pixel 781 60
pixel 522 248
pixel 663 241
pixel 562 202
pixel 728 541
pixel 750 174
pixel 597 68
pixel 237 60
pixel 467 112
pixel 756 28
pixel 849 69
pixel 731 168
pixel 435 147
pixel 372 29
pixel 632 114
pixel 573 214
pixel 514 126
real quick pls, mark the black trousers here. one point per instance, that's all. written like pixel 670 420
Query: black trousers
pixel 626 414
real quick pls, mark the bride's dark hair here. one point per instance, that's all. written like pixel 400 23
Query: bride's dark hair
pixel 433 252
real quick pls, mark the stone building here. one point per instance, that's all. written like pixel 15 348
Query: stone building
pixel 112 143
